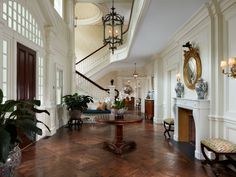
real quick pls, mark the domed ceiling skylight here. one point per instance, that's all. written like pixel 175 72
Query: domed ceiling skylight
pixel 87 13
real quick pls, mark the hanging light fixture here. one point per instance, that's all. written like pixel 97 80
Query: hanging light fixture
pixel 113 29
pixel 135 74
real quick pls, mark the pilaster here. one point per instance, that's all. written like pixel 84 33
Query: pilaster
pixel 70 6
pixel 50 96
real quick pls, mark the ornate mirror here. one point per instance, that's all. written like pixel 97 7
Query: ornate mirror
pixel 128 89
pixel 192 67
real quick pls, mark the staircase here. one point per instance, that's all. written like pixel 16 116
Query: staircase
pixel 94 62
pixel 87 87
pixel 102 57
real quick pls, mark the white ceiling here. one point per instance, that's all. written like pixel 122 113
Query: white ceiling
pixel 163 18
pixel 160 22
pixel 122 7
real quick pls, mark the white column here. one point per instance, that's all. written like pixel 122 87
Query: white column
pixel 50 80
pixel 70 5
pixel 155 96
pixel 50 68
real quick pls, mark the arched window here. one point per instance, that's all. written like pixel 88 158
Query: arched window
pixel 21 20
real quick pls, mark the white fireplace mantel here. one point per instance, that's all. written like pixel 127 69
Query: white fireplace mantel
pixel 200 110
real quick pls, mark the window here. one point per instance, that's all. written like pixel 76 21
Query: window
pixel 59 86
pixel 40 79
pixel 58 5
pixel 4 69
pixel 20 20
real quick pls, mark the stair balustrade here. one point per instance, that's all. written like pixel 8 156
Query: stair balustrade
pixel 85 86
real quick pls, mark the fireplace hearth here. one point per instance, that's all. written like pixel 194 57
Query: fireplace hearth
pixel 191 122
pixel 186 126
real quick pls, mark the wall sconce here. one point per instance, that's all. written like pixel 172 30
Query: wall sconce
pixel 75 22
pixel 178 77
pixel 229 68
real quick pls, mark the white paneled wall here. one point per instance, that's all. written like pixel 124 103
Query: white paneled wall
pixel 48 35
pixel 212 31
pixel 229 103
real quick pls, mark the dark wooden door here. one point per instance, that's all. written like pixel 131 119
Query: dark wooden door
pixel 26 74
pixel 26 78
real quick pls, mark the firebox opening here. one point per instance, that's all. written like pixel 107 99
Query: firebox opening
pixel 186 126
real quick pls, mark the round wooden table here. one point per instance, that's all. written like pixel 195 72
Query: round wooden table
pixel 119 145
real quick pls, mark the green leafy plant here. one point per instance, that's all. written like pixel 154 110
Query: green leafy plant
pixel 17 116
pixel 77 102
pixel 118 104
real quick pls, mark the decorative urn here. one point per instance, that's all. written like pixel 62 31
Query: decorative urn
pixel 179 89
pixel 8 168
pixel 201 88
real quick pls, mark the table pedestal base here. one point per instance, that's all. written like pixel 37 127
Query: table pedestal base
pixel 119 149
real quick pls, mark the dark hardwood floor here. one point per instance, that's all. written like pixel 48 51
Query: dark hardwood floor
pixel 80 153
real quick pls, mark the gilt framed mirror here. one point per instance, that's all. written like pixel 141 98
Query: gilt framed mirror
pixel 192 67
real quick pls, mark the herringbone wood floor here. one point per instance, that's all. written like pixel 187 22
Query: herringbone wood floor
pixel 79 153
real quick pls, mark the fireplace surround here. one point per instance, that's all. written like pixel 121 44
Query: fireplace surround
pixel 199 110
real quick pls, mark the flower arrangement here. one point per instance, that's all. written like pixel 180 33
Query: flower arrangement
pixel 118 108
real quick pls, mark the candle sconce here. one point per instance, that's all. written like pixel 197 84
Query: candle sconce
pixel 229 69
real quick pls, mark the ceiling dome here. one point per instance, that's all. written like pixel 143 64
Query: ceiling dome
pixel 87 13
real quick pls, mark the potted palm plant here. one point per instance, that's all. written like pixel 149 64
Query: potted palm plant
pixel 76 104
pixel 16 116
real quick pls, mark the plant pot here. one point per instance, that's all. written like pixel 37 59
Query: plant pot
pixel 75 114
pixel 13 161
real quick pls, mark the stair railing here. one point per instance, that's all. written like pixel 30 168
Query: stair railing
pixel 95 84
pixel 89 63
pixel 100 48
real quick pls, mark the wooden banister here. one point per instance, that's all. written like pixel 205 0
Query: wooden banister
pixel 86 78
pixel 98 86
pixel 131 12
pixel 91 54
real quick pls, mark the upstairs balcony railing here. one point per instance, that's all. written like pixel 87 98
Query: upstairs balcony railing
pixel 100 58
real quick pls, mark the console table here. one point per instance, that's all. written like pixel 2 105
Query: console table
pixel 149 109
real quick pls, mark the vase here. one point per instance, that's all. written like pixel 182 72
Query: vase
pixel 8 168
pixel 119 113
pixel 179 89
pixel 201 88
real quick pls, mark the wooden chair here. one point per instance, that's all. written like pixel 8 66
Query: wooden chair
pixel 169 126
